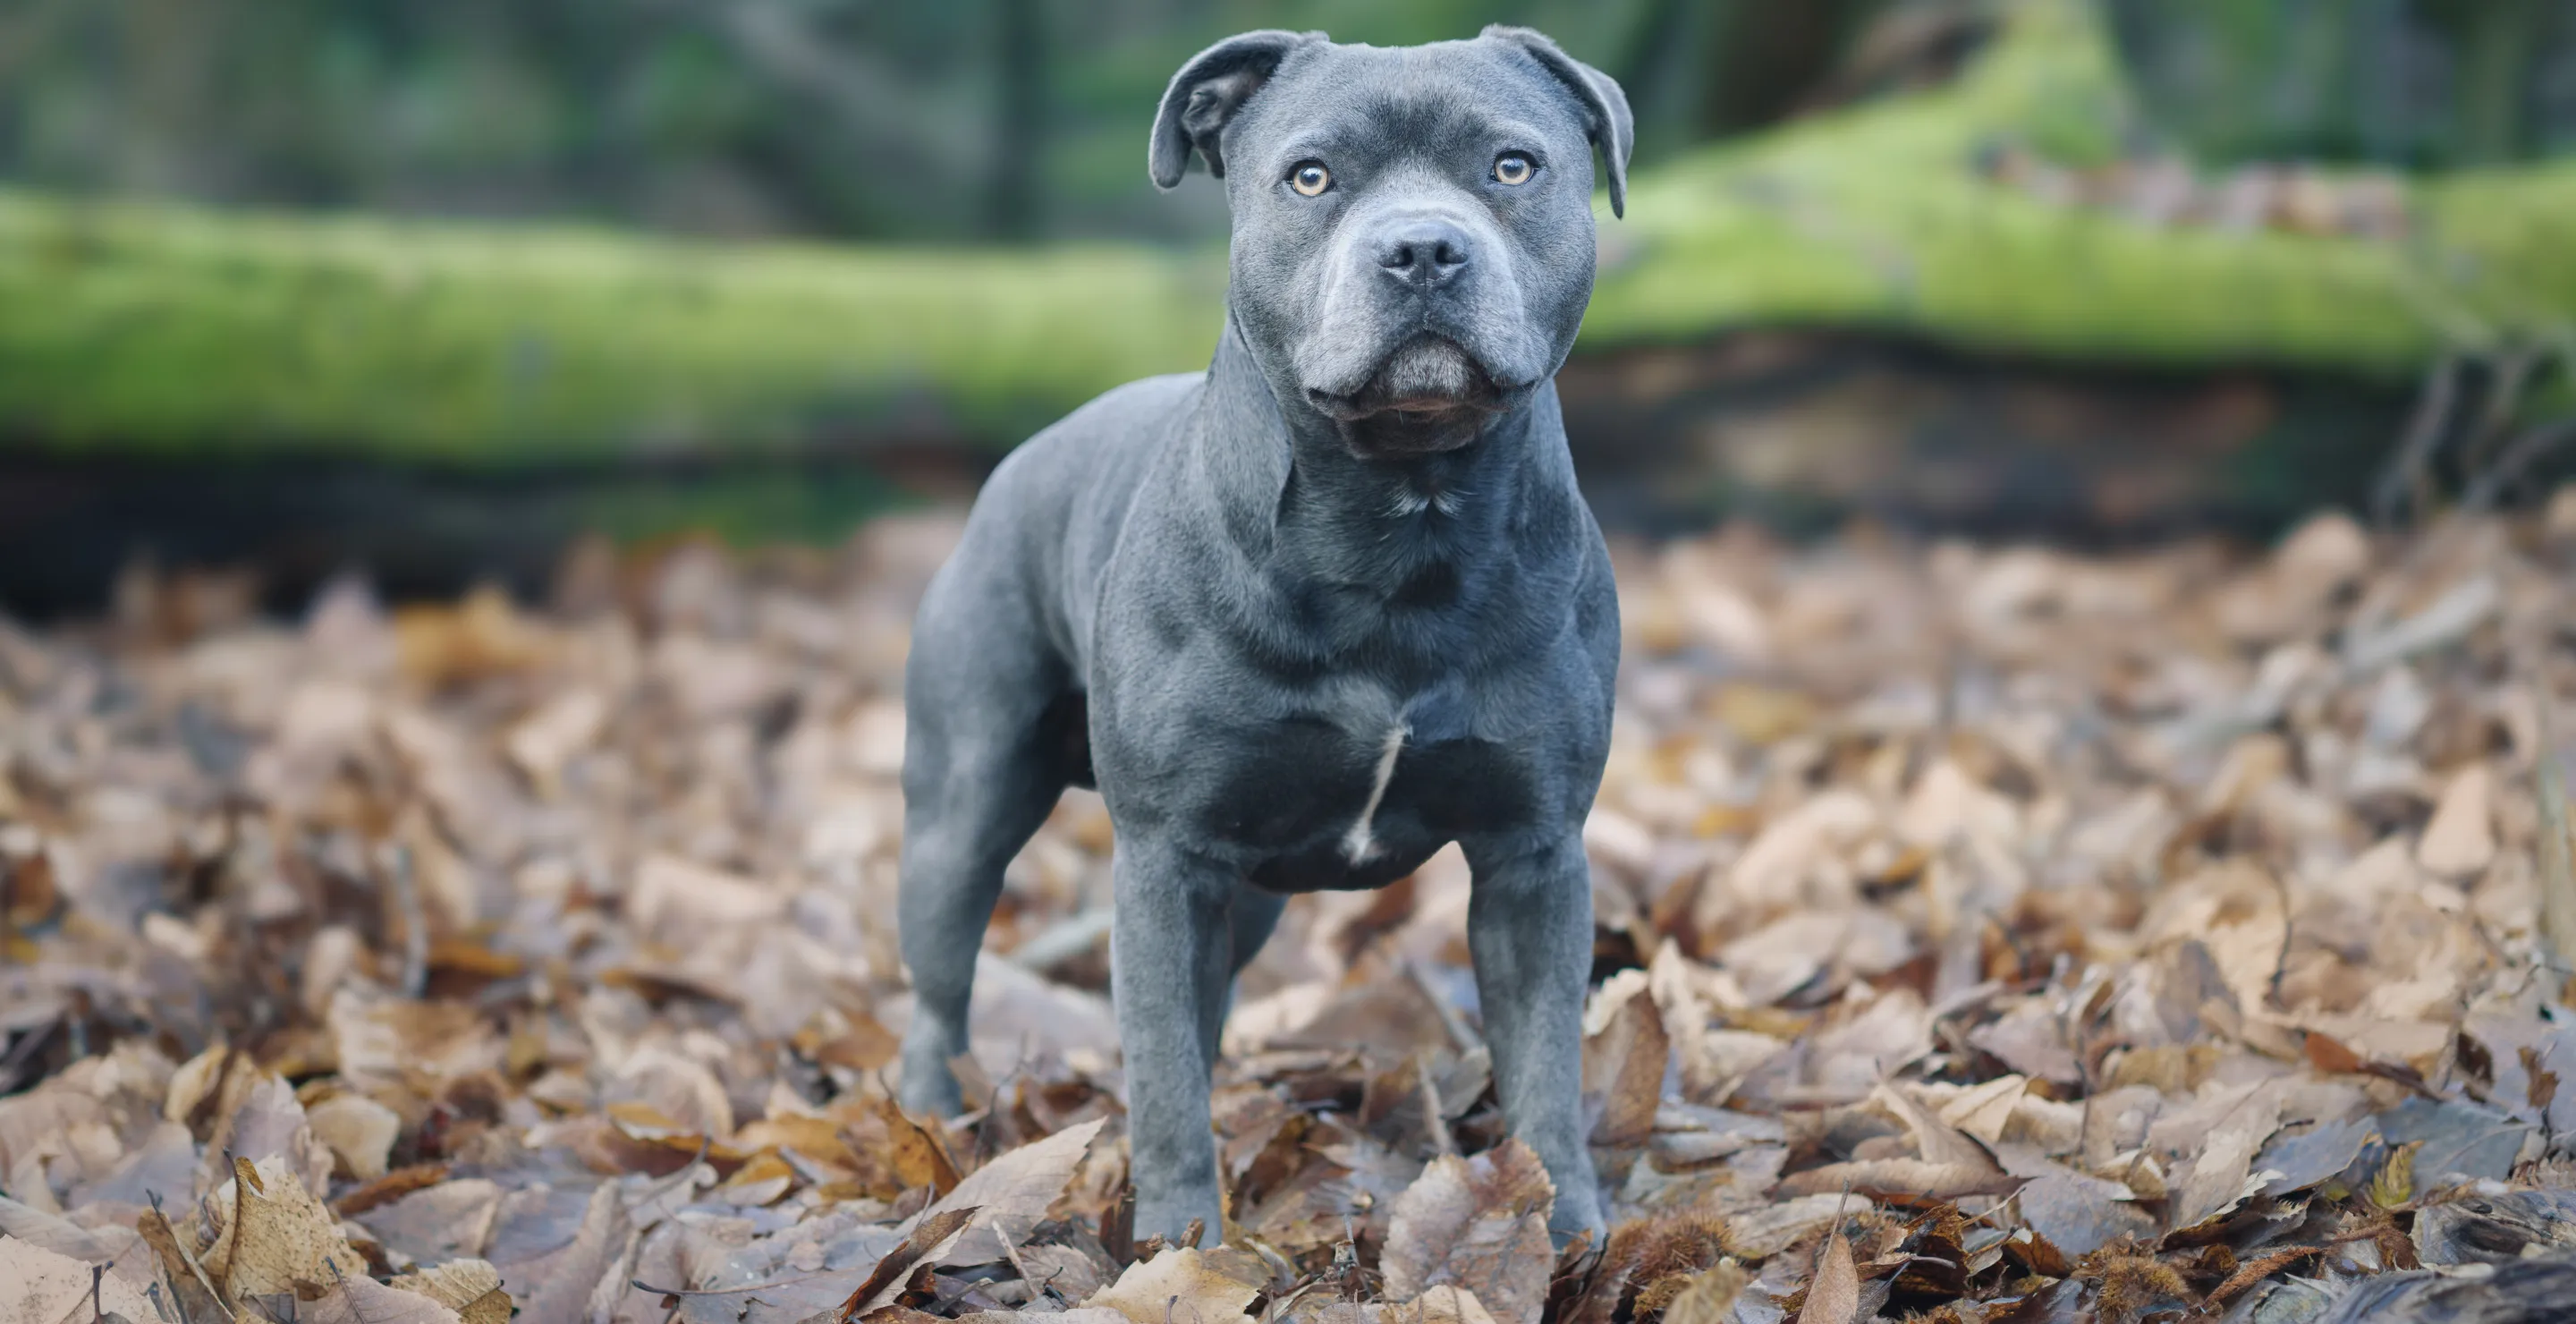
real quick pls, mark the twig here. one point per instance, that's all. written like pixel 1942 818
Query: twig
pixel 1433 1119
pixel 1461 1037
pixel 2406 474
pixel 2510 378
pixel 2528 449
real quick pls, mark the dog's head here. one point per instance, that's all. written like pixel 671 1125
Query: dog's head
pixel 1413 238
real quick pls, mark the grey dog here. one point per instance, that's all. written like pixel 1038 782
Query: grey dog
pixel 1308 616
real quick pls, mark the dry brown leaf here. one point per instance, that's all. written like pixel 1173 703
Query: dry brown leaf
pixel 1901 1180
pixel 1443 1305
pixel 38 1286
pixel 1011 1194
pixel 2460 839
pixel 920 1151
pixel 930 1238
pixel 1834 1296
pixel 471 1288
pixel 363 1300
pixel 1774 1226
pixel 1936 1141
pixel 189 1283
pixel 1985 1111
pixel 1210 1286
pixel 1480 1223
pixel 2077 1215
pixel 388 1188
pixel 556 1288
pixel 2221 1175
pixel 274 1235
pixel 1625 1050
pixel 359 1131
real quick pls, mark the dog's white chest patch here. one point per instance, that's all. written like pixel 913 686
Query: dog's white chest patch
pixel 1359 845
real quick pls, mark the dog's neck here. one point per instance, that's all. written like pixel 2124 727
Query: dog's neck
pixel 1298 502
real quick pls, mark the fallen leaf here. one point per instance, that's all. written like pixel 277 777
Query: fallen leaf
pixel 193 1290
pixel 1774 1226
pixel 2075 1216
pixel 2493 1227
pixel 1011 1194
pixel 1625 1050
pixel 1985 1111
pixel 1902 1180
pixel 2220 1176
pixel 1198 1286
pixel 1938 1142
pixel 555 1288
pixel 1480 1223
pixel 38 1286
pixel 273 1235
pixel 2522 1292
pixel 359 1131
pixel 471 1288
pixel 362 1300
pixel 1834 1296
pixel 2460 839
pixel 929 1239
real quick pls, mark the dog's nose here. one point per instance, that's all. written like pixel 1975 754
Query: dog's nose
pixel 1425 253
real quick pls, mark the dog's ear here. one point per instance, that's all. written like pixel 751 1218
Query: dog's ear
pixel 1207 92
pixel 1605 108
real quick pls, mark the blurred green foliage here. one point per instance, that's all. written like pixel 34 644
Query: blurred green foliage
pixel 1018 119
pixel 2421 84
pixel 848 118
pixel 141 327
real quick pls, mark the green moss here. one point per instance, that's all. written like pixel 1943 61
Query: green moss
pixel 139 328
pixel 1880 218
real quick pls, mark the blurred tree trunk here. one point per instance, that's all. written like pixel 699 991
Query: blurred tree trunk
pixel 2498 41
pixel 1019 118
pixel 1764 58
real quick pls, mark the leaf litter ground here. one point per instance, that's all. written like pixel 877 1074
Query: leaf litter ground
pixel 1982 933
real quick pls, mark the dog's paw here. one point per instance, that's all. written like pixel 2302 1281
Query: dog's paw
pixel 927 1087
pixel 1577 1221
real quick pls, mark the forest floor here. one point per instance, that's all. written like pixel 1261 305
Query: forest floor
pixel 1982 933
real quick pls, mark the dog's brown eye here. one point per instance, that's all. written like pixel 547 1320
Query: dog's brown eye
pixel 1513 168
pixel 1310 178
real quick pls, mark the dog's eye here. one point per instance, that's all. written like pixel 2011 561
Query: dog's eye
pixel 1514 168
pixel 1310 178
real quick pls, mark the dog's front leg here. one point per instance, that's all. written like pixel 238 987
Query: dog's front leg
pixel 1529 928
pixel 1171 950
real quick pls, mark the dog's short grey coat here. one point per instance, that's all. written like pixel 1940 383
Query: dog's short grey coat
pixel 1309 615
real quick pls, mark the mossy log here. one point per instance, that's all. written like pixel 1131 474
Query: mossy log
pixel 131 328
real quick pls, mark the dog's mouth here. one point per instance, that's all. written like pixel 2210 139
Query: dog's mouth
pixel 1427 379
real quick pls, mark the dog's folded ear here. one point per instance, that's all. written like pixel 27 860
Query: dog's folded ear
pixel 1605 108
pixel 1207 92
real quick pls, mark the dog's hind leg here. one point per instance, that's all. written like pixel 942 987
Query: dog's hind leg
pixel 984 761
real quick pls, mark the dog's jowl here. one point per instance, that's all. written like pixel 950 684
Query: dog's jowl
pixel 1310 615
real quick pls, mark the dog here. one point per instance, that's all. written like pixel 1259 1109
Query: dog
pixel 1310 615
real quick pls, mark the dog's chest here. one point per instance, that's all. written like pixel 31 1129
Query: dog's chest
pixel 1323 803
